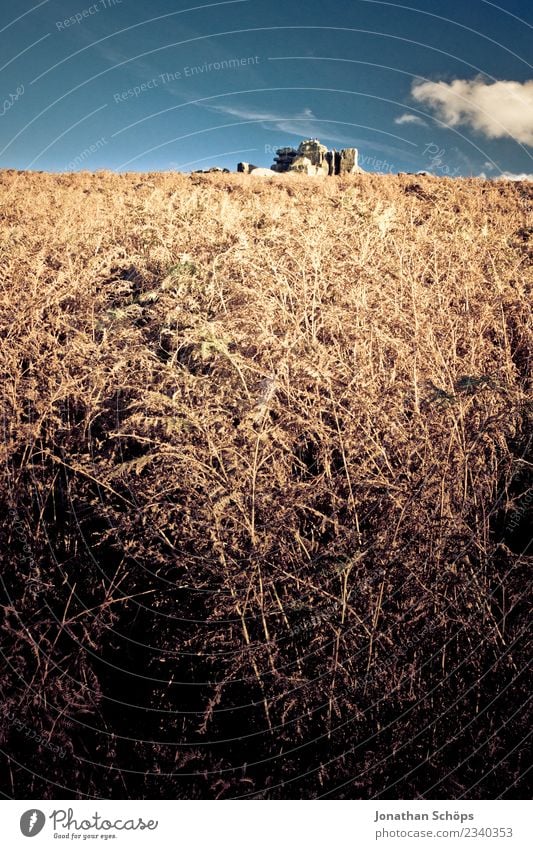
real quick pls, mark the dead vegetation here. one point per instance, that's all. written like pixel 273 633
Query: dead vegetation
pixel 266 473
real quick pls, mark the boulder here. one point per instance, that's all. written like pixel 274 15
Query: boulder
pixel 262 172
pixel 214 170
pixel 348 161
pixel 302 165
pixel 284 159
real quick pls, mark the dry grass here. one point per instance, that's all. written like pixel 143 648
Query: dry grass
pixel 273 437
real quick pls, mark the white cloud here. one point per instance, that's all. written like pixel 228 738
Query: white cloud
pixel 508 175
pixel 408 118
pixel 496 109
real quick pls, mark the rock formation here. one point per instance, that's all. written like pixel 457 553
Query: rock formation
pixel 214 170
pixel 311 158
pixel 347 161
pixel 284 159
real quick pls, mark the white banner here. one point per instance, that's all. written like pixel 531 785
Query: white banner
pixel 267 825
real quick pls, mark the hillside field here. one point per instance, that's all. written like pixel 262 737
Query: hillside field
pixel 265 486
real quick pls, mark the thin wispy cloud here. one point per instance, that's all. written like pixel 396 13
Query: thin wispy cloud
pixel 494 109
pixel 303 123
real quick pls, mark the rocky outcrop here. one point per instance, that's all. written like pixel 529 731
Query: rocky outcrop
pixel 284 158
pixel 311 158
pixel 304 165
pixel 314 151
pixel 347 162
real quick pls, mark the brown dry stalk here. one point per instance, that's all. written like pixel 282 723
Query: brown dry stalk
pixel 266 456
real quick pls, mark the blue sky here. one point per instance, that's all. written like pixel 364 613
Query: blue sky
pixel 440 85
